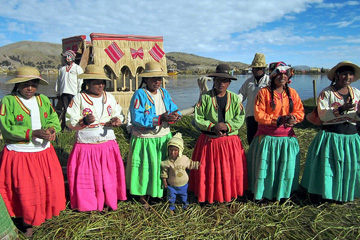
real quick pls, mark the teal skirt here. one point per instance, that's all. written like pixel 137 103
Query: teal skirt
pixel 273 166
pixel 143 165
pixel 332 167
pixel 7 228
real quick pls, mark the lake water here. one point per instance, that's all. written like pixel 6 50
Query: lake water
pixel 185 91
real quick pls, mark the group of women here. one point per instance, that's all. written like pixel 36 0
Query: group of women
pixel 31 178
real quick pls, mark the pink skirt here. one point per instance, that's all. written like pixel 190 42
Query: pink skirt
pixel 222 174
pixel 32 185
pixel 96 176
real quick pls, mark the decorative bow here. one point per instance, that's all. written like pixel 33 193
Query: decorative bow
pixel 137 53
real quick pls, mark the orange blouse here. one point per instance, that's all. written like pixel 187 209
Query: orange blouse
pixel 264 114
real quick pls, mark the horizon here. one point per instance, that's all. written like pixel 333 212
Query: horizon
pixel 314 33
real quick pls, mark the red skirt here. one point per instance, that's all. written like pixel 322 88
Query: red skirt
pixel 222 174
pixel 32 185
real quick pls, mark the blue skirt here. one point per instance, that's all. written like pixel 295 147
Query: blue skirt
pixel 332 167
pixel 273 166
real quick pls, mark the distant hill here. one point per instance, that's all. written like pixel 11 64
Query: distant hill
pixel 39 54
pixel 44 55
pixel 301 68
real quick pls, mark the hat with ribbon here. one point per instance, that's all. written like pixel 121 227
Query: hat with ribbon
pixel 259 61
pixel 280 67
pixel 223 70
pixel 343 66
pixel 153 69
pixel 93 71
pixel 26 73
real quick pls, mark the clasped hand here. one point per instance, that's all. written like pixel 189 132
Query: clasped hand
pixel 287 120
pixel 220 129
pixel 172 117
pixel 46 134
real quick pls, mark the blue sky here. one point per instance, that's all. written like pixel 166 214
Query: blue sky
pixel 317 33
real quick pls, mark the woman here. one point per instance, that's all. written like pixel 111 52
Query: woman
pixel 152 110
pixel 31 178
pixel 274 156
pixel 95 167
pixel 219 115
pixel 332 167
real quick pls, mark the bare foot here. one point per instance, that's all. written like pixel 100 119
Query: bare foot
pixel 29 232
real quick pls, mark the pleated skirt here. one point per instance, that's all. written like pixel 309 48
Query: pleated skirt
pixel 32 185
pixel 96 176
pixel 332 167
pixel 273 167
pixel 7 228
pixel 222 174
pixel 144 165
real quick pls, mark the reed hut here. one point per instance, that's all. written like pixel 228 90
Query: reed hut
pixel 123 58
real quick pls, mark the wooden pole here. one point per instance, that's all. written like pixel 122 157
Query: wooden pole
pixel 314 91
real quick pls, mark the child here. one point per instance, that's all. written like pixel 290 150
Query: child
pixel 173 172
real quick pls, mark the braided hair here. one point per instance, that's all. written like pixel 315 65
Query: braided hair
pixel 287 90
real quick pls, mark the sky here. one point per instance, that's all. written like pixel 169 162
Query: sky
pixel 316 33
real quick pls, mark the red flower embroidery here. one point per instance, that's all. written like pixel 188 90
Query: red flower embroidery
pixel 45 114
pixel 20 118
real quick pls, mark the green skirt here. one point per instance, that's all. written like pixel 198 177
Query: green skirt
pixel 273 166
pixel 143 165
pixel 332 167
pixel 7 228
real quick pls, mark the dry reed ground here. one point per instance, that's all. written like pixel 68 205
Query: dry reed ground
pixel 300 217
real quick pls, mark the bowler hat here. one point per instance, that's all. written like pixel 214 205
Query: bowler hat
pixel 223 70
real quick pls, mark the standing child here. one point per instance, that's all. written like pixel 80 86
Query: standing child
pixel 152 109
pixel 95 167
pixel 274 154
pixel 173 172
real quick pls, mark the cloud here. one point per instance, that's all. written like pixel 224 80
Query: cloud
pixel 338 5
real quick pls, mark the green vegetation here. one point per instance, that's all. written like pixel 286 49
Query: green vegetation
pixel 300 217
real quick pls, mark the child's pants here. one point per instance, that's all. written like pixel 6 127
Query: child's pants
pixel 173 192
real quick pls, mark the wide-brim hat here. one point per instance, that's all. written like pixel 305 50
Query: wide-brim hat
pixel 93 71
pixel 259 61
pixel 223 70
pixel 153 69
pixel 332 72
pixel 24 74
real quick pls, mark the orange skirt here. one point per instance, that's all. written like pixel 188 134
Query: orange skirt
pixel 222 174
pixel 32 185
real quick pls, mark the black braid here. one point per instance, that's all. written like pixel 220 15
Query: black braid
pixel 15 88
pixel 291 104
pixel 142 82
pixel 83 86
pixel 272 87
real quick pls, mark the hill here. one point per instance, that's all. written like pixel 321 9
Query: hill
pixel 44 55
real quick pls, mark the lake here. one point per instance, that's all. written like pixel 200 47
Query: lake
pixel 185 91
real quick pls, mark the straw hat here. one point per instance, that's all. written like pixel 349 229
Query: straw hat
pixel 332 72
pixel 24 74
pixel 223 70
pixel 259 61
pixel 94 72
pixel 153 69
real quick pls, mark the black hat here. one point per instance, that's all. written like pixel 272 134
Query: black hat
pixel 223 70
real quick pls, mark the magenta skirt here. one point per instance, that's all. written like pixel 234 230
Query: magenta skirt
pixel 96 176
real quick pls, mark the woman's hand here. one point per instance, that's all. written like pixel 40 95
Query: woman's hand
pixel 115 122
pixel 348 106
pixel 287 121
pixel 46 134
pixel 172 117
pixel 89 119
pixel 220 129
